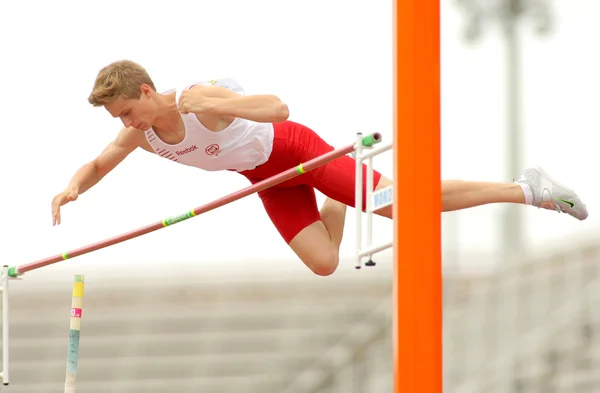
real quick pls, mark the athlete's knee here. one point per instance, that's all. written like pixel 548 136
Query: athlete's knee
pixel 324 263
pixel 313 245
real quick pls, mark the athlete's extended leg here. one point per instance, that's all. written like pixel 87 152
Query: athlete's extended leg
pixel 337 180
pixel 535 187
pixel 461 194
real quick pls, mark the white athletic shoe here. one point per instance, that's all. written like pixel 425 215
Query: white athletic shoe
pixel 550 194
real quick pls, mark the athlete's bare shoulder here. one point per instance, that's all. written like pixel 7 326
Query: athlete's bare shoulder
pixel 132 138
pixel 217 88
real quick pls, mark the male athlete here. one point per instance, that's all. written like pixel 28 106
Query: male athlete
pixel 216 126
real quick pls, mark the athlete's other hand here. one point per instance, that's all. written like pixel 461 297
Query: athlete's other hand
pixel 194 101
pixel 68 195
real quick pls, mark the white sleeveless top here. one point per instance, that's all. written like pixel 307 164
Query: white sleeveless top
pixel 243 145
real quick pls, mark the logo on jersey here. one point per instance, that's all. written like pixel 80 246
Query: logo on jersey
pixel 212 150
pixel 186 150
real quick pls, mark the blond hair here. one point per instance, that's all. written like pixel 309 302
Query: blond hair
pixel 121 78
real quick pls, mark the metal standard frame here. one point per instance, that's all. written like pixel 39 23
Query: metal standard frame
pixel 374 201
pixel 15 272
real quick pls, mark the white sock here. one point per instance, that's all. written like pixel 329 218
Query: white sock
pixel 528 193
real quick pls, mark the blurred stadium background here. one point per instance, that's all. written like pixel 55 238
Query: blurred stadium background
pixel 527 322
pixel 176 332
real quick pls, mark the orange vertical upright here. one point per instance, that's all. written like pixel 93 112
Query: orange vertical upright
pixel 417 198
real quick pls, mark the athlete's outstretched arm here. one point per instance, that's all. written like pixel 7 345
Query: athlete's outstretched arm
pixel 224 102
pixel 92 172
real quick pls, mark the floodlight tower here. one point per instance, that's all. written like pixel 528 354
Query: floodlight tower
pixel 508 13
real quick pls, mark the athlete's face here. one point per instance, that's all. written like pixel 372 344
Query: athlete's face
pixel 135 112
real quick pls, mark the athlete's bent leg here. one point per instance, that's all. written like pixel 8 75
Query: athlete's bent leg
pixel 314 246
pixel 333 215
pixel 294 212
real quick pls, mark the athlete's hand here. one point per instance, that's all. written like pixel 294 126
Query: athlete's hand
pixel 68 195
pixel 194 101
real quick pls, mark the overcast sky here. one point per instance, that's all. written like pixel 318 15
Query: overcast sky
pixel 329 61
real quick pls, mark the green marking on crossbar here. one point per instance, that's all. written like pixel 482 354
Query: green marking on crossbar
pixel 175 219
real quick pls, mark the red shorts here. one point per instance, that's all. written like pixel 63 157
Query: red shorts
pixel 292 205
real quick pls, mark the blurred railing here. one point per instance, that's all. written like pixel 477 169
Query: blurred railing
pixel 530 327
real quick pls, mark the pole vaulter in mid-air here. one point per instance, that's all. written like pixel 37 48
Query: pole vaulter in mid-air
pixel 215 126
